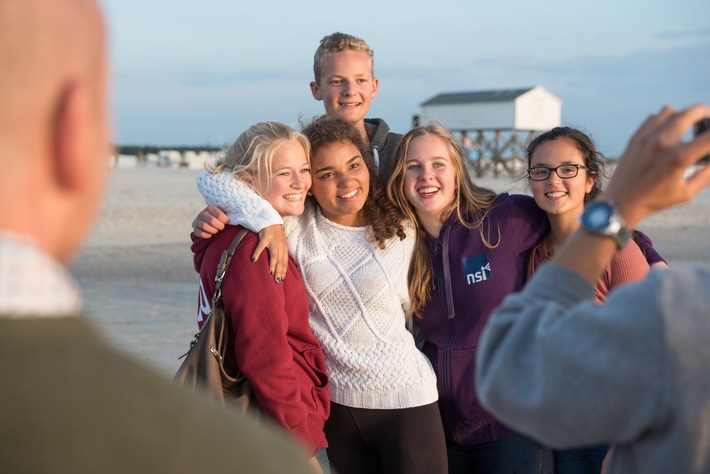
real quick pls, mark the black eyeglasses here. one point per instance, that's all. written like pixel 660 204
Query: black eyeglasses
pixel 541 173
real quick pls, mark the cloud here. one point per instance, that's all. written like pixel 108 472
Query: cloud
pixel 681 34
pixel 612 95
pixel 606 94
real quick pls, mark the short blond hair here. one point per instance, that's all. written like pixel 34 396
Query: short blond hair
pixel 335 43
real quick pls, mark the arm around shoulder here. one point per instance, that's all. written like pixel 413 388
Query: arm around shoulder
pixel 237 200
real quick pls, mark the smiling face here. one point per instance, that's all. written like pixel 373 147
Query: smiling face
pixel 341 183
pixel 429 179
pixel 556 196
pixel 346 85
pixel 285 189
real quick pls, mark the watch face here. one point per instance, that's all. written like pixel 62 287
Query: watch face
pixel 600 217
pixel 597 215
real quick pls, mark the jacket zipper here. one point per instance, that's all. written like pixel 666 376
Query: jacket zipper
pixel 450 314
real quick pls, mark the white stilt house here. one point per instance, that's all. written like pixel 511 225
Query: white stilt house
pixel 495 126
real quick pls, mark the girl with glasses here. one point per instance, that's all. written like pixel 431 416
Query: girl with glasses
pixel 577 179
pixel 562 193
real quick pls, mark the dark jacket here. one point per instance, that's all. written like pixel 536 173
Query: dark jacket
pixel 469 281
pixel 383 144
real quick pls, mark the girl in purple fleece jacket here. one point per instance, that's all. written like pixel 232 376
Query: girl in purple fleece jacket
pixel 470 253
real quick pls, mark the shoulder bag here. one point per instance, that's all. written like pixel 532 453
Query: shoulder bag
pixel 204 366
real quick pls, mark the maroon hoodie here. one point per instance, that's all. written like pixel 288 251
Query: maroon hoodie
pixel 270 338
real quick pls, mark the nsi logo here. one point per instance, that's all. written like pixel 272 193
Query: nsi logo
pixel 476 268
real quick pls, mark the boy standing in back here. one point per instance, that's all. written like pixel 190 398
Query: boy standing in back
pixel 343 68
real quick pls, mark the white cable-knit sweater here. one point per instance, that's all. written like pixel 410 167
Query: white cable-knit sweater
pixel 357 294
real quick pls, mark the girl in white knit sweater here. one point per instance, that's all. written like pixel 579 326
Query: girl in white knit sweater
pixel 353 248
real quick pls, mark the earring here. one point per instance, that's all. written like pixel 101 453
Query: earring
pixel 309 193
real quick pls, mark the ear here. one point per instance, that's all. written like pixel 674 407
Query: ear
pixel 375 86
pixel 72 138
pixel 315 90
pixel 590 183
pixel 246 177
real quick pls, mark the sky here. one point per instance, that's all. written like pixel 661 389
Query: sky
pixel 199 72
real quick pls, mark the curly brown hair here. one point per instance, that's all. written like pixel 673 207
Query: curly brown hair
pixel 384 218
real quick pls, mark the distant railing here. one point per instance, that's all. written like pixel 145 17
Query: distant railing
pixel 496 152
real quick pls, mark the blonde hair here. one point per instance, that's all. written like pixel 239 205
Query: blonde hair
pixel 469 200
pixel 335 43
pixel 254 150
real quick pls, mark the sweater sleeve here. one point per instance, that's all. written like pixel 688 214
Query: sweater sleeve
pixel 256 306
pixel 558 367
pixel 235 198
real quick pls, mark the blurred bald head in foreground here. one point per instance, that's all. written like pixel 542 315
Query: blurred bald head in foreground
pixel 69 402
pixel 54 139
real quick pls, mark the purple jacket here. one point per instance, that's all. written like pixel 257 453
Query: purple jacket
pixel 469 281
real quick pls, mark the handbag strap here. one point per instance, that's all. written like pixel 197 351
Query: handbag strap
pixel 223 265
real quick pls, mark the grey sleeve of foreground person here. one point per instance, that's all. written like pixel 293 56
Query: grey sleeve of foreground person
pixel 558 367
pixel 552 366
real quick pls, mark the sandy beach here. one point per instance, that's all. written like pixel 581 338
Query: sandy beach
pixel 139 286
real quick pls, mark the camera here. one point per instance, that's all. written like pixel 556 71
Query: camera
pixel 701 127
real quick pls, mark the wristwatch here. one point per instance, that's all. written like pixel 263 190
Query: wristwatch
pixel 602 218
